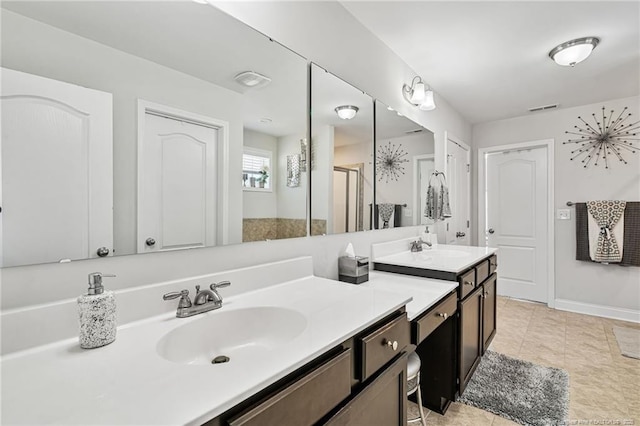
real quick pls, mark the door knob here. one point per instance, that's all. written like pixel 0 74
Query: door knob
pixel 491 231
pixel 102 252
pixel 150 242
pixel 392 344
pixel 460 234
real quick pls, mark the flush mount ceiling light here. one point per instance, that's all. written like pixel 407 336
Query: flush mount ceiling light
pixel 574 51
pixel 346 112
pixel 252 79
pixel 419 95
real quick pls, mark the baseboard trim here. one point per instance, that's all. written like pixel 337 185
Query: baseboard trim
pixel 598 310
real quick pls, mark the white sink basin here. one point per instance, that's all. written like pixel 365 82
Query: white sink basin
pixel 235 334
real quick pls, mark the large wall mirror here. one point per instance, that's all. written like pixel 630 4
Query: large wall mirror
pixel 404 164
pixel 125 132
pixel 341 155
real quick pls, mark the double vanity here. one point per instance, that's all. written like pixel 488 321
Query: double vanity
pixel 306 350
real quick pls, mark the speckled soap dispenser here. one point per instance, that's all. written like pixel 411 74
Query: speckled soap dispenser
pixel 97 314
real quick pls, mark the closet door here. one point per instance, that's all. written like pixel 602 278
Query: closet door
pixel 57 170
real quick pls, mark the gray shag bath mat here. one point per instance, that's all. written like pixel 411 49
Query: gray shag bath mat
pixel 518 390
pixel 628 341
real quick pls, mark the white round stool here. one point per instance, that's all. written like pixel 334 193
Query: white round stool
pixel 413 385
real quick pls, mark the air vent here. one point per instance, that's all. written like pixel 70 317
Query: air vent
pixel 543 108
pixel 410 132
pixel 252 79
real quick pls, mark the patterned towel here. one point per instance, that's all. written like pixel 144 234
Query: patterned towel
pixel 386 210
pixel 607 214
pixel 437 204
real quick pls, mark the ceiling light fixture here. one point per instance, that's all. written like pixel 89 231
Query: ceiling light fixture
pixel 346 112
pixel 573 52
pixel 417 94
pixel 252 79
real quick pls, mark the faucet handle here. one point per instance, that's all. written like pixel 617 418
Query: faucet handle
pixel 185 302
pixel 221 284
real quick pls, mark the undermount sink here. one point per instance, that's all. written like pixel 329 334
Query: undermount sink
pixel 233 334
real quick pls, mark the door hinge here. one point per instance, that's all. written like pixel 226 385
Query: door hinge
pixel 447 226
pixel 467 224
pixel 468 168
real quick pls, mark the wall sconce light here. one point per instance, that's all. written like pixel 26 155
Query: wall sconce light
pixel 417 94
pixel 575 51
pixel 347 112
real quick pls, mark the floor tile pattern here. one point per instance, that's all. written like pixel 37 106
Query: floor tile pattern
pixel 604 385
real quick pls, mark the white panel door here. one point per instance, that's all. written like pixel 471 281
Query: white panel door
pixel 178 181
pixel 516 220
pixel 57 170
pixel 458 178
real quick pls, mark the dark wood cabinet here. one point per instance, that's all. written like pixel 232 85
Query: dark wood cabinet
pixel 470 349
pixel 383 402
pixel 489 312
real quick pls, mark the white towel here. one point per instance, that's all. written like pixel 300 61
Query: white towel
pixel 606 230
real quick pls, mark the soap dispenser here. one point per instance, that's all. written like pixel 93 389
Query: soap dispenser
pixel 97 314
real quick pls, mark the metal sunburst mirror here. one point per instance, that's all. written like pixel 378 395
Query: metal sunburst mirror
pixel 605 139
pixel 389 162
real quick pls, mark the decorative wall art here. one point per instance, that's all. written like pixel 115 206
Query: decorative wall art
pixel 607 138
pixel 389 162
pixel 293 170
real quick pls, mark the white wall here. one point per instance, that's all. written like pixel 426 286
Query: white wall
pixel 582 282
pixel 401 191
pixel 322 143
pixel 262 204
pixel 28 44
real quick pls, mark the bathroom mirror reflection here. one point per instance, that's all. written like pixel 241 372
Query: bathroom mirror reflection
pixel 404 164
pixel 151 137
pixel 341 155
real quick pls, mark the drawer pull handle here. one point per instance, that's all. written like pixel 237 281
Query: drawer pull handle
pixel 468 282
pixel 393 345
pixel 443 315
pixel 495 265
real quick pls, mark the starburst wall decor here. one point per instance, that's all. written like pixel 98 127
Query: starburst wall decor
pixel 389 162
pixel 608 138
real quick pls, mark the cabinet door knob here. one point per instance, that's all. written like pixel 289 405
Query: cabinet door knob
pixel 393 345
pixel 443 315
pixel 467 282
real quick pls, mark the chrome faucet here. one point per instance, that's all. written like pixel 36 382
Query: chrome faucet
pixel 204 300
pixel 417 245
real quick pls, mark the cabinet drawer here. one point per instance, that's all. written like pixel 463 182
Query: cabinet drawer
pixel 377 347
pixel 306 400
pixel 493 264
pixel 436 316
pixel 467 283
pixel 482 271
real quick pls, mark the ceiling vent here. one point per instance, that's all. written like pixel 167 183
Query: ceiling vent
pixel 543 108
pixel 410 132
pixel 252 79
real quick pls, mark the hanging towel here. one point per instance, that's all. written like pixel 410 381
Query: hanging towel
pixel 386 210
pixel 606 230
pixel 437 201
pixel 631 254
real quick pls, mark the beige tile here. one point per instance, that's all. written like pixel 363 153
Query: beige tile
pixel 604 385
pixel 461 415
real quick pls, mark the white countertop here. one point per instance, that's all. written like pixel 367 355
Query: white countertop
pixel 127 382
pixel 425 292
pixel 441 257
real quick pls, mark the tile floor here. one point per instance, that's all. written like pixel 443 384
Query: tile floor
pixel 604 385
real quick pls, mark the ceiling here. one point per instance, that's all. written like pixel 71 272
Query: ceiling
pixel 489 60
